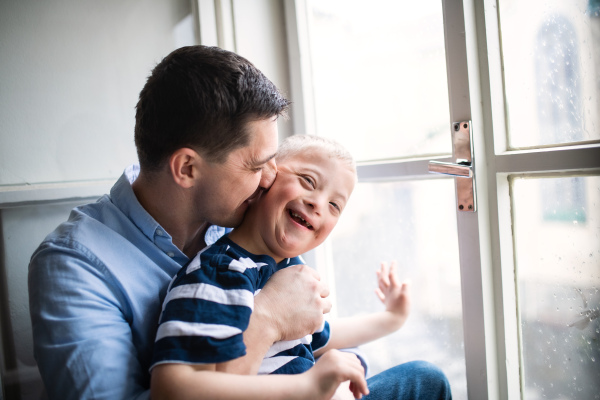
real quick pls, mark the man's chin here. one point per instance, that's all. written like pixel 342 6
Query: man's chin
pixel 233 219
pixel 237 219
pixel 255 196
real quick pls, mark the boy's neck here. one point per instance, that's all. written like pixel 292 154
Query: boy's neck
pixel 250 240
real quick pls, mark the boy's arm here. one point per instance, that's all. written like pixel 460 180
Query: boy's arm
pixel 289 307
pixel 357 330
pixel 183 381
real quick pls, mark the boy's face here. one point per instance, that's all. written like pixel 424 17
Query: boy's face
pixel 304 203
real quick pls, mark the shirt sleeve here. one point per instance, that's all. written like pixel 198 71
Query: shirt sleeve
pixel 205 313
pixel 298 260
pixel 75 311
pixel 321 337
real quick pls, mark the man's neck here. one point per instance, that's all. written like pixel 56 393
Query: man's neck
pixel 161 200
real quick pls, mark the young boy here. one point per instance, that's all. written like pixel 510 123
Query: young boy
pixel 209 303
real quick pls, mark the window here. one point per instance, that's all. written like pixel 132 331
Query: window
pixel 382 96
pixel 526 263
pixel 552 70
pixel 382 91
pixel 558 277
pixel 392 221
pixel 550 57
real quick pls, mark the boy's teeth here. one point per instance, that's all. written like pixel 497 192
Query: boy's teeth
pixel 294 215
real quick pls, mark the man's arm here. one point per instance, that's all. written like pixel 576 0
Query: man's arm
pixel 82 342
pixel 289 307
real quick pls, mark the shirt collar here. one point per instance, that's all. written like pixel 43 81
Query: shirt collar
pixel 124 198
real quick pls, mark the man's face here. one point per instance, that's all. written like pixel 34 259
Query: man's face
pixel 304 203
pixel 222 196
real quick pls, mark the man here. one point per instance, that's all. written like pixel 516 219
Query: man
pixel 206 135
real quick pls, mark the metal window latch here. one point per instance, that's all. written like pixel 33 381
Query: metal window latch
pixel 462 151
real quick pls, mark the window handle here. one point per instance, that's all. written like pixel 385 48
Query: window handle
pixel 462 150
pixel 444 168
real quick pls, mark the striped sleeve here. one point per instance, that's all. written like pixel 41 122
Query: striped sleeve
pixel 205 312
pixel 321 337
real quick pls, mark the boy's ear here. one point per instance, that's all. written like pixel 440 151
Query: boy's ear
pixel 184 166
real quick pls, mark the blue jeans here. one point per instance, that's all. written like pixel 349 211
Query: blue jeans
pixel 409 381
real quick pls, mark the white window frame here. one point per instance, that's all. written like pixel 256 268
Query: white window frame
pixel 476 93
pixel 214 23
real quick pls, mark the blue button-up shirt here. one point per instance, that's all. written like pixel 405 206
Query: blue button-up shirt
pixel 96 286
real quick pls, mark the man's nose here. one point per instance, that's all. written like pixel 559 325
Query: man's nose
pixel 269 173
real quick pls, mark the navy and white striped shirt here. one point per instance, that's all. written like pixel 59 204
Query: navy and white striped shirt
pixel 208 307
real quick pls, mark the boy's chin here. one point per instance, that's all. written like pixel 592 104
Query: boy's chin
pixel 291 251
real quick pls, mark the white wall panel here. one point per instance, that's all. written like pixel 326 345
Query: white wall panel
pixel 71 74
pixel 260 36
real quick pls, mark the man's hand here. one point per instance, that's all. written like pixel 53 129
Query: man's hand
pixel 290 306
pixel 293 302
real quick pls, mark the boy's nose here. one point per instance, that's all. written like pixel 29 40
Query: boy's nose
pixel 269 173
pixel 315 204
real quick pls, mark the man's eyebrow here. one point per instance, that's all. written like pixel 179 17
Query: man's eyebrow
pixel 255 162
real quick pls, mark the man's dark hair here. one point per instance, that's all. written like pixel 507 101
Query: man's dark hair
pixel 202 98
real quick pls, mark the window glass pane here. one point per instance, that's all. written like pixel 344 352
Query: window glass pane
pixel 551 55
pixel 413 223
pixel 557 242
pixel 379 75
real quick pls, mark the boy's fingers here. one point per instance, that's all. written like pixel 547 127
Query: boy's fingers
pixel 384 276
pixel 359 383
pixel 355 391
pixel 380 280
pixel 395 281
pixel 381 285
pixel 359 387
pixel 380 294
pixel 352 389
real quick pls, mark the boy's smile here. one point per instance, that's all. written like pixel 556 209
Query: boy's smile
pixel 300 209
pixel 300 220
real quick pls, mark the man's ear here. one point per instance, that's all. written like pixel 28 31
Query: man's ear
pixel 184 166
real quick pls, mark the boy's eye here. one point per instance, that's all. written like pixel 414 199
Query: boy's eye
pixel 337 207
pixel 309 180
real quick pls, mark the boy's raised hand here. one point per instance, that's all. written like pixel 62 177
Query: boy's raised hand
pixel 395 295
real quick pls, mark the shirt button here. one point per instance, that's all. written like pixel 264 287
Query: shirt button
pixel 159 232
pixel 171 254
